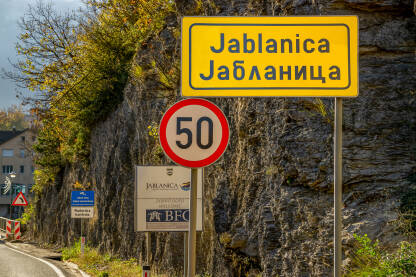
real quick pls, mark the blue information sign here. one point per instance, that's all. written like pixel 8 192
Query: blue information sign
pixel 82 198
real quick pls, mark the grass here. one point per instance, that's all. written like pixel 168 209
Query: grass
pixel 100 265
pixel 105 265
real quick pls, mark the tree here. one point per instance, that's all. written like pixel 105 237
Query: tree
pixel 46 49
pixel 13 117
pixel 77 65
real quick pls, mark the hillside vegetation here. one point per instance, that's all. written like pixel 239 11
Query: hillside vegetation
pixel 77 65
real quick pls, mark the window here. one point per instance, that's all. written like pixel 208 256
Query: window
pixel 22 153
pixel 7 169
pixel 22 169
pixel 7 152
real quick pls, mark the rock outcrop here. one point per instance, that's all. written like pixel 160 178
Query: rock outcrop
pixel 269 199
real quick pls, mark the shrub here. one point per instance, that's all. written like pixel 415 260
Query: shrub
pixel 370 260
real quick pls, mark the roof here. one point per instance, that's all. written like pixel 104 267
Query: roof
pixel 8 135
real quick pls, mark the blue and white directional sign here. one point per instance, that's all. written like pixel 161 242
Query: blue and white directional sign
pixel 82 198
pixel 82 204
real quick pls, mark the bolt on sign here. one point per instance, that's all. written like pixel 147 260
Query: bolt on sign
pixel 270 56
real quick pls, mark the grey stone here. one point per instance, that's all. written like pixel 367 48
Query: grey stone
pixel 272 189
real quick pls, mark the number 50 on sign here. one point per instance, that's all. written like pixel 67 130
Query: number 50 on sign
pixel 194 133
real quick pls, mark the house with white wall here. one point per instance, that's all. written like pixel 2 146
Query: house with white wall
pixel 16 156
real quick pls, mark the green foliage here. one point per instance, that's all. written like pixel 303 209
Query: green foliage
pixel 72 252
pixel 77 64
pixel 156 149
pixel 43 178
pixel 370 260
pixel 27 215
pixel 97 264
pixel 367 247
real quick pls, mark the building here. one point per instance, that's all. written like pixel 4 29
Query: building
pixel 16 156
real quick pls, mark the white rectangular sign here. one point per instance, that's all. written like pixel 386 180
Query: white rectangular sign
pixel 82 212
pixel 162 198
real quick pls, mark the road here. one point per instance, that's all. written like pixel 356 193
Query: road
pixel 14 263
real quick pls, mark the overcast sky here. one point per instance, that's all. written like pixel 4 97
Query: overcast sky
pixel 10 12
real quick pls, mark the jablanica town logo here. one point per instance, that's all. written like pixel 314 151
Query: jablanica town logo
pixel 186 186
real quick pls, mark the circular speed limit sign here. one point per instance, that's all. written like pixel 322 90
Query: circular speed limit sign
pixel 194 133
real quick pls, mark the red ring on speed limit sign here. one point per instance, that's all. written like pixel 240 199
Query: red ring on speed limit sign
pixel 218 147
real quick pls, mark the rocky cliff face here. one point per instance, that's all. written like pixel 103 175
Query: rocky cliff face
pixel 269 199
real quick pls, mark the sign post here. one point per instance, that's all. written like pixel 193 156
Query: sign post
pixel 82 206
pixel 193 133
pixel 162 201
pixel 20 201
pixel 185 251
pixel 192 224
pixel 338 188
pixel 313 56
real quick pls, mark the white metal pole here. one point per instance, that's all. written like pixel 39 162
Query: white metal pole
pixel 192 224
pixel 338 187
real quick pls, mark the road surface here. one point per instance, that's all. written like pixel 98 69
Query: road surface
pixel 14 263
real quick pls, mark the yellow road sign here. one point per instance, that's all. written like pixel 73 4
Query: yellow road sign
pixel 270 56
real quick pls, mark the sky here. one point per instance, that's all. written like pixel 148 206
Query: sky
pixel 10 12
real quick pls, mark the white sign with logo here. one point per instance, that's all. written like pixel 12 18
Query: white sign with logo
pixel 162 198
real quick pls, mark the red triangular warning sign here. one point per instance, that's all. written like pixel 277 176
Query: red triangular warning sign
pixel 20 200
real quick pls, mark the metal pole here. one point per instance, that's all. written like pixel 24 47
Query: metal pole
pixel 11 199
pixel 338 187
pixel 185 256
pixel 192 224
pixel 148 247
pixel 82 242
